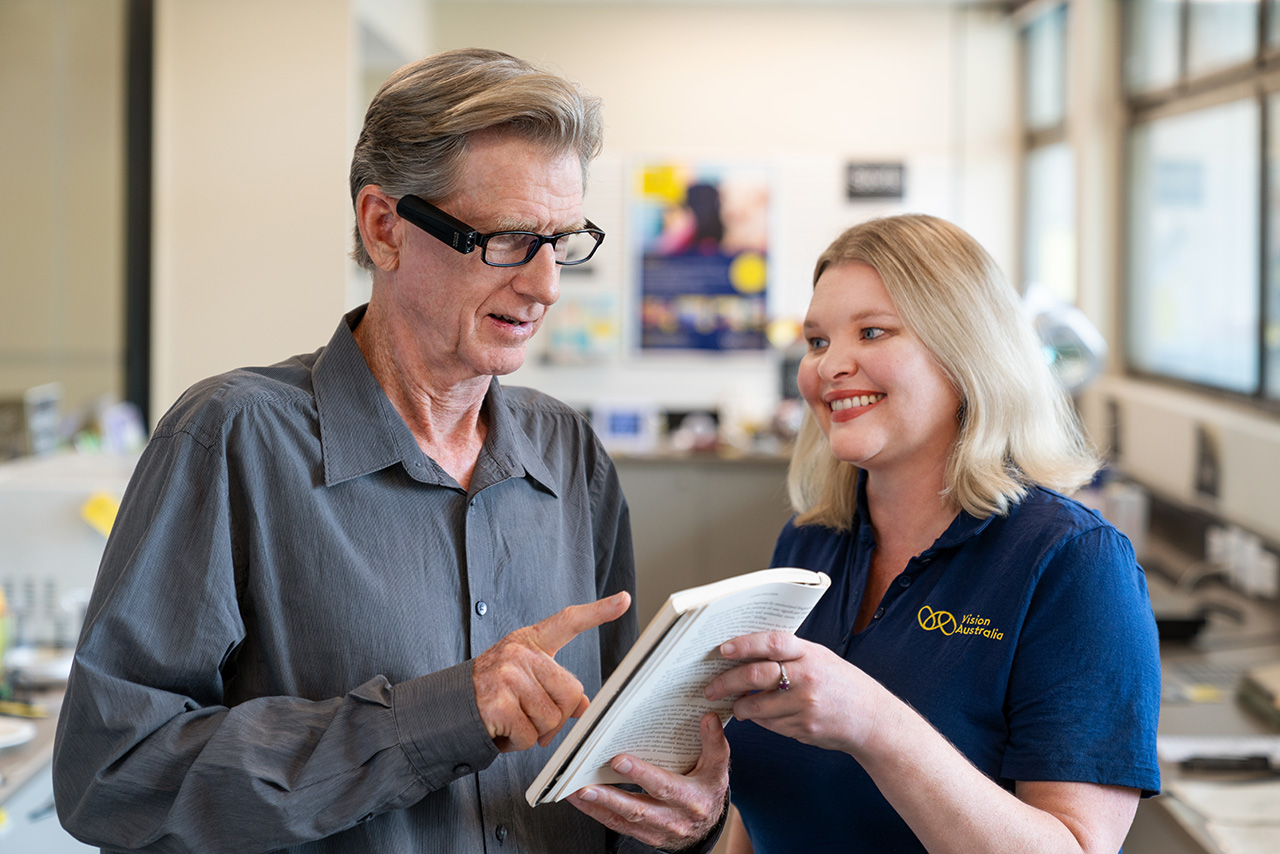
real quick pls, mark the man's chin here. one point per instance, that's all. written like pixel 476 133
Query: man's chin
pixel 506 362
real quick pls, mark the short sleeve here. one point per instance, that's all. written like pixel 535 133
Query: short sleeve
pixel 1084 689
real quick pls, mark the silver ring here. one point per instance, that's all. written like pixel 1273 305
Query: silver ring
pixel 784 683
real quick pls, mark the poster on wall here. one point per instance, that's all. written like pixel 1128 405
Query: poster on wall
pixel 704 250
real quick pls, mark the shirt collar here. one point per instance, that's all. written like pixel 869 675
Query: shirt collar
pixel 358 425
pixel 961 528
pixel 361 432
pixel 508 451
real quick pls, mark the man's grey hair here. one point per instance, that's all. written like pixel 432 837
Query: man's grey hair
pixel 417 127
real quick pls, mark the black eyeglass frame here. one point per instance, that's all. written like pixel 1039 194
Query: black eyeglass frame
pixel 457 234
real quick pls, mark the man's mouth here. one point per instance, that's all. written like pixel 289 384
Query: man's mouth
pixel 509 320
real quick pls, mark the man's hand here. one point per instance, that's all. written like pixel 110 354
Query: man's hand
pixel 524 697
pixel 674 811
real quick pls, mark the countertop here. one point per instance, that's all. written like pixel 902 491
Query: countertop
pixel 20 763
pixel 1199 679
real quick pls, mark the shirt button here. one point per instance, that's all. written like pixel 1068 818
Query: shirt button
pixel 482 607
pixel 462 769
pixel 878 614
pixel 904 581
pixel 501 833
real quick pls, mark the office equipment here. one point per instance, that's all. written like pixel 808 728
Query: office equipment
pixel 1259 692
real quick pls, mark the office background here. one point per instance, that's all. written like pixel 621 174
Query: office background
pixel 256 106
pixel 1119 154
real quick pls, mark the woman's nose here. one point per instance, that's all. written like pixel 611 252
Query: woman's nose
pixel 836 363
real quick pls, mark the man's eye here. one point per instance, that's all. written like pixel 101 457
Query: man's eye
pixel 508 242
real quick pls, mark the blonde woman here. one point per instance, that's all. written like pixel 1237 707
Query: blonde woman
pixel 983 674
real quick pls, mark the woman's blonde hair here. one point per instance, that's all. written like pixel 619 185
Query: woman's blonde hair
pixel 1017 425
pixel 417 127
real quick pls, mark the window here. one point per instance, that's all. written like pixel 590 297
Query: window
pixel 1152 44
pixel 1049 246
pixel 1048 236
pixel 1220 34
pixel 1202 301
pixel 1193 246
pixel 1045 92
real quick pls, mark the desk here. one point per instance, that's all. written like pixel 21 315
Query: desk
pixel 26 793
pixel 1224 648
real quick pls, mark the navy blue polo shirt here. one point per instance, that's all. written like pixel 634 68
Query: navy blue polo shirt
pixel 1027 640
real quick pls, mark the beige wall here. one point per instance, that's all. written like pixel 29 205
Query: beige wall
pixel 62 172
pixel 801 89
pixel 251 210
pixel 252 152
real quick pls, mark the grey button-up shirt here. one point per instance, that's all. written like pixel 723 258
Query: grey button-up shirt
pixel 277 654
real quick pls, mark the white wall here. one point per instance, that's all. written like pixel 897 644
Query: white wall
pixel 251 206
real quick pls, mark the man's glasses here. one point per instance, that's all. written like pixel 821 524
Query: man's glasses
pixel 500 248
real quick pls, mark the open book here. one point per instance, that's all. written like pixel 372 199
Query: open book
pixel 651 705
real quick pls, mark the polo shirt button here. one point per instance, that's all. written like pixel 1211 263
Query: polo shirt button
pixel 878 614
pixel 501 833
pixel 904 580
pixel 482 607
pixel 462 769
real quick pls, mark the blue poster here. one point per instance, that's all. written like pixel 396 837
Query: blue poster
pixel 703 258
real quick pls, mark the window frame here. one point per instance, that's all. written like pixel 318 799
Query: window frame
pixel 1258 79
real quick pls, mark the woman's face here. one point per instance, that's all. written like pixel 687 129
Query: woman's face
pixel 879 396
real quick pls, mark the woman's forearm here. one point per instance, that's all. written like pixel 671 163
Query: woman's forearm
pixel 953 807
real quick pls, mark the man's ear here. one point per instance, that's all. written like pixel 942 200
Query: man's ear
pixel 380 228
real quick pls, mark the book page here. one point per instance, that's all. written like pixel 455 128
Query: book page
pixel 656 716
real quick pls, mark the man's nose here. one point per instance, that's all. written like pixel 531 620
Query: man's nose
pixel 540 278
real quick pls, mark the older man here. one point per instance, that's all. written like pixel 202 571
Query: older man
pixel 341 586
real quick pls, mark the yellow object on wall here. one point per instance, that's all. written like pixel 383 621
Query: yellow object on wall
pixel 100 512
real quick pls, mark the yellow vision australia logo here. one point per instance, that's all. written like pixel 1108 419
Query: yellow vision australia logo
pixel 945 622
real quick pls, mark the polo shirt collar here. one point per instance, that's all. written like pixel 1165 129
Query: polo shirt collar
pixel 361 432
pixel 961 528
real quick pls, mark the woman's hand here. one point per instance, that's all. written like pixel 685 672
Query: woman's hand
pixel 826 701
pixel 947 802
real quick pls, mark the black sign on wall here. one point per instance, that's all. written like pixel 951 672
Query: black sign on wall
pixel 874 180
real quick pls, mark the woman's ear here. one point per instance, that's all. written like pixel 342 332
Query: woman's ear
pixel 380 227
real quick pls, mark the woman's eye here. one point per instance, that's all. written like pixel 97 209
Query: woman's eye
pixel 817 343
pixel 872 332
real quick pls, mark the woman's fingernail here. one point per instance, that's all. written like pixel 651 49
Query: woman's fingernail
pixel 622 766
pixel 726 649
pixel 588 795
